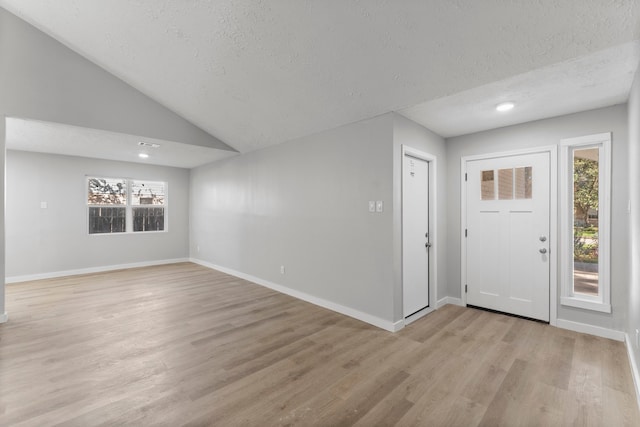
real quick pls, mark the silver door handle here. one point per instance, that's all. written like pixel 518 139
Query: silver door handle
pixel 543 250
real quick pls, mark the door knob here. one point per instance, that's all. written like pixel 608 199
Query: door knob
pixel 543 250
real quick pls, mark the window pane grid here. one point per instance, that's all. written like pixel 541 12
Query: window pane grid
pixel 118 205
pixel 512 183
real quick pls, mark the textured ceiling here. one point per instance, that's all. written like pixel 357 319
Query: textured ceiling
pixel 257 73
pixel 597 80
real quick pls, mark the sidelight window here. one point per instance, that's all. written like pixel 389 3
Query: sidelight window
pixel 585 208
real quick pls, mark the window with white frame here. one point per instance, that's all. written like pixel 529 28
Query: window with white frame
pixel 585 226
pixel 147 200
pixel 119 205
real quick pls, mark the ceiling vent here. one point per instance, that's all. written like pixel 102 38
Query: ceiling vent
pixel 148 144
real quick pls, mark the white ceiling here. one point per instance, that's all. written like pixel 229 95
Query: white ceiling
pixel 258 73
pixel 592 81
pixel 45 137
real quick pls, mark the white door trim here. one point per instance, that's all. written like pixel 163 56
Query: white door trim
pixel 433 229
pixel 601 303
pixel 553 220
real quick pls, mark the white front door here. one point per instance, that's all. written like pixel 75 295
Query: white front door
pixel 507 208
pixel 415 234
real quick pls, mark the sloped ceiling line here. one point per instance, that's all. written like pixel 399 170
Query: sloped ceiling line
pixel 255 74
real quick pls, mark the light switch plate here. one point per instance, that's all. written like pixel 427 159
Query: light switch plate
pixel 379 206
pixel 43 205
pixel 372 206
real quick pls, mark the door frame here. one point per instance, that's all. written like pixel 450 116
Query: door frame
pixel 552 150
pixel 433 233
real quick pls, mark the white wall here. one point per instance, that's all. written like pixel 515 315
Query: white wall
pixel 634 218
pixel 304 205
pixel 411 134
pixel 42 79
pixel 55 239
pixel 544 133
pixel 3 313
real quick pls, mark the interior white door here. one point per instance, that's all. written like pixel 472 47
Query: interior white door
pixel 508 234
pixel 415 234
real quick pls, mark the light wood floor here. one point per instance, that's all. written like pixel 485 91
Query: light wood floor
pixel 184 345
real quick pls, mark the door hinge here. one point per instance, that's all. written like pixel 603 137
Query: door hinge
pixel 465 232
pixel 465 176
pixel 466 288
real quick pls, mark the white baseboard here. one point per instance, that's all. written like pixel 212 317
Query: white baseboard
pixel 347 311
pixel 449 300
pixel 4 317
pixel 590 329
pixel 40 276
pixel 634 366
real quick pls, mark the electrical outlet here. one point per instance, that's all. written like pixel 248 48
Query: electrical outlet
pixel 282 269
pixel 372 206
pixel 379 206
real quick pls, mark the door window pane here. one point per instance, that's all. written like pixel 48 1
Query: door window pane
pixel 586 174
pixel 487 182
pixel 524 179
pixel 505 184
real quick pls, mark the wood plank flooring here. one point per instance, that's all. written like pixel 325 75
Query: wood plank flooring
pixel 185 345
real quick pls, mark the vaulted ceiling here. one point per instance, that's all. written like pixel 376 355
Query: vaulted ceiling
pixel 258 73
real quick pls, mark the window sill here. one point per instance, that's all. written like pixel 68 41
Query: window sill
pixel 128 233
pixel 587 305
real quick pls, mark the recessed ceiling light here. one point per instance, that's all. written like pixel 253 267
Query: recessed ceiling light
pixel 143 155
pixel 148 144
pixel 505 106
